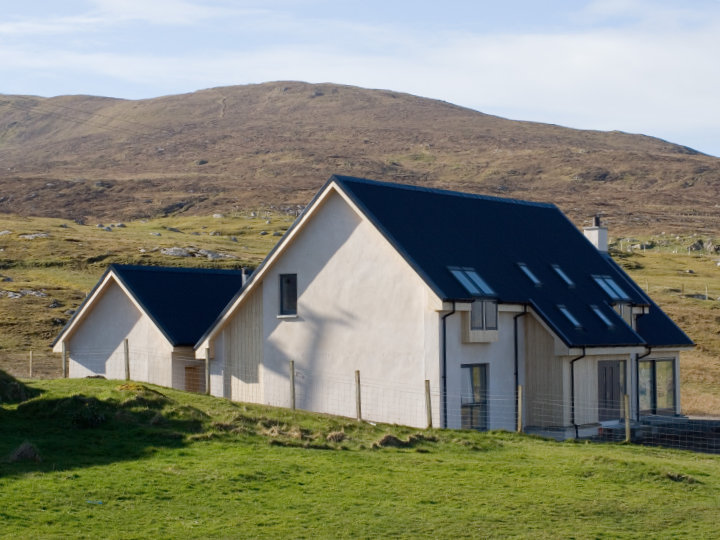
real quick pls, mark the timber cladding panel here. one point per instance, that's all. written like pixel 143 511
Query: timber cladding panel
pixel 543 377
pixel 243 341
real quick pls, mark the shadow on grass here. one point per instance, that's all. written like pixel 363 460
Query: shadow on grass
pixel 131 422
pixel 13 391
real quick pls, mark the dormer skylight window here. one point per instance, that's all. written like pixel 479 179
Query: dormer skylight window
pixel 570 317
pixel 529 273
pixel 472 281
pixel 602 316
pixel 612 289
pixel 560 272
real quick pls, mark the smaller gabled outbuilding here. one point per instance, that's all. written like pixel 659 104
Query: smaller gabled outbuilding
pixel 160 311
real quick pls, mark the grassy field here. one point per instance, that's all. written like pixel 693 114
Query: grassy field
pixel 135 461
pixel 678 281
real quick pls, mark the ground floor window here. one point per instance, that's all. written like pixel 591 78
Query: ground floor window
pixel 611 388
pixel 656 386
pixel 474 399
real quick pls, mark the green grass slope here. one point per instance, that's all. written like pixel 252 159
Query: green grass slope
pixel 116 460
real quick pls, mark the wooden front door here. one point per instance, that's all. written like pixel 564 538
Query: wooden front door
pixel 610 389
pixel 194 379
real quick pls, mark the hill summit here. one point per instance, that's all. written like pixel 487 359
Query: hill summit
pixel 275 144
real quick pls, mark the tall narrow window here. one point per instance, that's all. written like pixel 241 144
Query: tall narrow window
pixel 288 294
pixel 474 398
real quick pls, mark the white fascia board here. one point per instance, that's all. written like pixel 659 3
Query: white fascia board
pixel 607 351
pixel 669 350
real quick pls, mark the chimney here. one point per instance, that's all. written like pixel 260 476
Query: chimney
pixel 597 234
pixel 246 273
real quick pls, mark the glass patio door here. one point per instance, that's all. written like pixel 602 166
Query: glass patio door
pixel 474 397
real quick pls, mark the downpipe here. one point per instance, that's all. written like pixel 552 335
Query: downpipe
pixel 444 363
pixel 572 390
pixel 517 361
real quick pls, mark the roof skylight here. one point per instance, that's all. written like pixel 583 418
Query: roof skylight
pixel 529 273
pixel 612 289
pixel 570 317
pixel 560 272
pixel 472 281
pixel 602 316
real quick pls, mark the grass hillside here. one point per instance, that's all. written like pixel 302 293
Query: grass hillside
pixel 95 458
pixel 230 148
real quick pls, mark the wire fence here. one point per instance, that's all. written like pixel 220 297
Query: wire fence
pixel 31 365
pixel 352 394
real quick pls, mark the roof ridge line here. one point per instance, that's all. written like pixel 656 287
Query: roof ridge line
pixel 439 191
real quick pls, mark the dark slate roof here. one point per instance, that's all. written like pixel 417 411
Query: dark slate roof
pixel 436 229
pixel 182 302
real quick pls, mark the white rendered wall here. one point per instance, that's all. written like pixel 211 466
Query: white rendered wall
pixel 360 307
pixel 96 347
pixel 183 357
pixel 238 350
pixel 500 358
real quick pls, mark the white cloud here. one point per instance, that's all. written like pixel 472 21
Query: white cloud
pixel 163 12
pixel 34 27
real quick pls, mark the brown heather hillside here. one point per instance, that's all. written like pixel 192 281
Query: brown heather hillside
pixel 276 143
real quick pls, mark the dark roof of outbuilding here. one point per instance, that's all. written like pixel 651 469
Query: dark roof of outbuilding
pixel 437 229
pixel 182 302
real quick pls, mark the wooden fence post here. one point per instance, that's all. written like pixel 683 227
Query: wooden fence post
pixel 358 402
pixel 428 404
pixel 30 365
pixel 292 384
pixel 64 361
pixel 207 370
pixel 626 402
pixel 520 409
pixel 126 353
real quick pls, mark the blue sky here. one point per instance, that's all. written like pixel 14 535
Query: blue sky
pixel 641 66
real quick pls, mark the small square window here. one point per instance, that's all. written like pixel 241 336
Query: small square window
pixel 484 315
pixel 288 294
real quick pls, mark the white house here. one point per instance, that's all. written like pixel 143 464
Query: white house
pixel 494 302
pixel 142 322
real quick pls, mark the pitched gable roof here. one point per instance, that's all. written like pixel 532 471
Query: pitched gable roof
pixel 182 302
pixel 436 230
